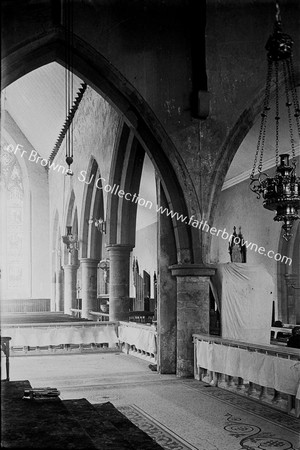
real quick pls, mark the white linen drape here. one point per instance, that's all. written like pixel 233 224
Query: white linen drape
pixel 244 295
pixel 45 336
pixel 143 339
pixel 265 370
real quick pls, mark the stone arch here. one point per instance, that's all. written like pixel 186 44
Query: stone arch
pixel 92 207
pixel 126 171
pixel 235 138
pixel 288 249
pixel 127 163
pixel 93 68
pixel 97 212
pixel 231 146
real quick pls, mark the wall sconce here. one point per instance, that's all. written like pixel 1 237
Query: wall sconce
pixel 100 224
pixel 70 240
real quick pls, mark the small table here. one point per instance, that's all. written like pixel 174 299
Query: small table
pixel 285 331
pixel 5 348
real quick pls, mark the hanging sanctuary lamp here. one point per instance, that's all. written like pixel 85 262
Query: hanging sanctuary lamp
pixel 280 192
pixel 68 26
pixel 69 239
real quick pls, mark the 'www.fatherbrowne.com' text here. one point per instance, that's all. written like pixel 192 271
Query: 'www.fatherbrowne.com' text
pixel 100 183
pixel 203 225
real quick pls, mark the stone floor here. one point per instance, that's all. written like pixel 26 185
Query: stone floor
pixel 178 413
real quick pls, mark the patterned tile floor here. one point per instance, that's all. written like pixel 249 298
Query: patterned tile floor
pixel 180 414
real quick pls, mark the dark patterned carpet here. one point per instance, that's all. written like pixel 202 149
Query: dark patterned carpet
pixel 38 424
pixel 70 424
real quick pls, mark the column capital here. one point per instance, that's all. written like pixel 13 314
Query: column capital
pixel 123 248
pixel 291 276
pixel 193 270
pixel 70 267
pixel 89 261
pixel 292 279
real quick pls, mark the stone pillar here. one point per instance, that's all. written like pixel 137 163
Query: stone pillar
pixel 53 292
pixel 166 292
pixel 88 285
pixel 70 279
pixel 192 311
pixel 119 281
pixel 292 282
pixel 59 290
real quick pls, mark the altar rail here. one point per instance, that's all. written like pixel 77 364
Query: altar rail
pixel 53 336
pixel 265 373
pixel 133 338
pixel 138 339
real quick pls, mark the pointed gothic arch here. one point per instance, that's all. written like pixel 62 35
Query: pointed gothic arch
pixel 93 68
pixel 93 208
pixel 234 140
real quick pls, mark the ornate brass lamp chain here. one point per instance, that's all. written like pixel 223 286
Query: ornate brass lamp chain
pixel 291 77
pixel 277 117
pixel 262 131
pixel 277 16
pixel 68 24
pixel 289 104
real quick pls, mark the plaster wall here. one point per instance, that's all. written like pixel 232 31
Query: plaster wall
pixel 238 206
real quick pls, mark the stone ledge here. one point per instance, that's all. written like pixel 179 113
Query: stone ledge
pixel 200 270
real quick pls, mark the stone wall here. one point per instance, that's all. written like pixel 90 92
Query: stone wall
pixel 95 129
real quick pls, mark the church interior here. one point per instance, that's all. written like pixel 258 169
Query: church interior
pixel 150 237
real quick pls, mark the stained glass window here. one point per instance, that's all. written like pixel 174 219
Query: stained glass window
pixel 12 222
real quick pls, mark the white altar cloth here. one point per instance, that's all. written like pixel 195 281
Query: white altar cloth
pixel 40 336
pixel 266 370
pixel 142 338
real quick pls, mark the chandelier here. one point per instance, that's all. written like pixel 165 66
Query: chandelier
pixel 281 192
